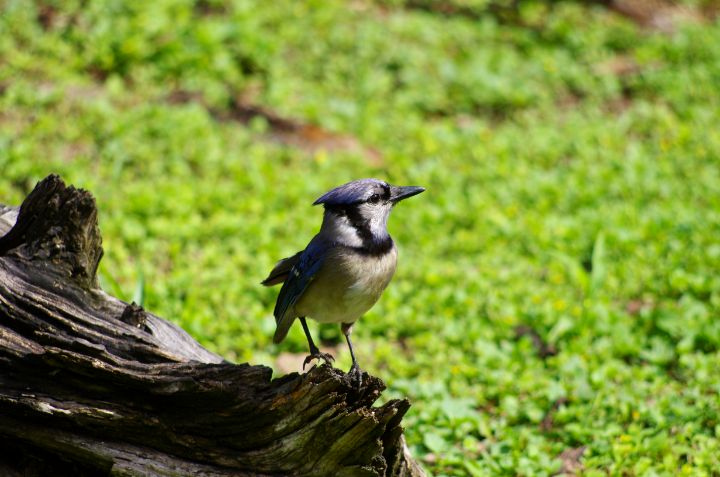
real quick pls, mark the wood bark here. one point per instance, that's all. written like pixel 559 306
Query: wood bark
pixel 90 385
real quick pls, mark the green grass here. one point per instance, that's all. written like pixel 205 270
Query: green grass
pixel 561 195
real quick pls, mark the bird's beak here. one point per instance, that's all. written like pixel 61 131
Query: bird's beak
pixel 403 192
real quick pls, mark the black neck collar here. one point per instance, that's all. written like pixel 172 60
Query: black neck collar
pixel 371 244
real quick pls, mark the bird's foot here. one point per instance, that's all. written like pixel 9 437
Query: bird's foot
pixel 356 375
pixel 316 354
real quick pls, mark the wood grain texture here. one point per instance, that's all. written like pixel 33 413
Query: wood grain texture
pixel 90 385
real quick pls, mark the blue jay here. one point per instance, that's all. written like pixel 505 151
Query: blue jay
pixel 345 267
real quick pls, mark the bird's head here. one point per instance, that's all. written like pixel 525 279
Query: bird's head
pixel 365 205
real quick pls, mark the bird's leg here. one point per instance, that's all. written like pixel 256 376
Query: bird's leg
pixel 355 372
pixel 314 351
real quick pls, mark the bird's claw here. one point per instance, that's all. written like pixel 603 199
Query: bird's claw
pixel 356 375
pixel 327 357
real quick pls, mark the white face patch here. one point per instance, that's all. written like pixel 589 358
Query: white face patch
pixel 340 229
pixel 377 215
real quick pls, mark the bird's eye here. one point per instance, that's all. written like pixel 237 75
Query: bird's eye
pixel 374 198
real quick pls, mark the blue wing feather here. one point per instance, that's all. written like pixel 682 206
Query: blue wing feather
pixel 300 276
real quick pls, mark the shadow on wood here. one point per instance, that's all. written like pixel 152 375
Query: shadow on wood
pixel 90 385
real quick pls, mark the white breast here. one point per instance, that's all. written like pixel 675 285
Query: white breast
pixel 347 286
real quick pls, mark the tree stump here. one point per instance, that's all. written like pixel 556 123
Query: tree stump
pixel 90 385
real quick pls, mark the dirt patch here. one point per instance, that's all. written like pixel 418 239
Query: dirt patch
pixel 290 132
pixel 571 461
pixel 659 15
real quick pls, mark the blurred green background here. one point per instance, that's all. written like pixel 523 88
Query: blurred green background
pixel 556 307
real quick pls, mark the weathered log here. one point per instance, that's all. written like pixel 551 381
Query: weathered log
pixel 90 385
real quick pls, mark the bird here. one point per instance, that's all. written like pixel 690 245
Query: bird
pixel 345 268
